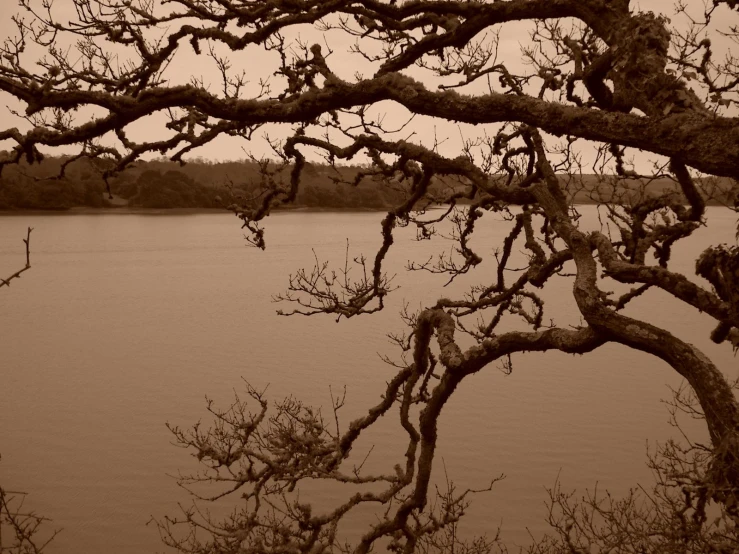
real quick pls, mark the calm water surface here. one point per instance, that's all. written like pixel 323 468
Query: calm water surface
pixel 125 322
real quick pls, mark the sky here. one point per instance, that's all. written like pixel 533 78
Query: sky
pixel 260 64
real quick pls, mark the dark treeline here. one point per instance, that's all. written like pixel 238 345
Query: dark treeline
pixel 162 184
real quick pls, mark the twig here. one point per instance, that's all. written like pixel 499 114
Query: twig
pixel 17 274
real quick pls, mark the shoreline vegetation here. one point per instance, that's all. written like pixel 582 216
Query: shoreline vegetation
pixel 75 186
pixel 128 210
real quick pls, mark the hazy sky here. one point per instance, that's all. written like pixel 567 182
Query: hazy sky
pixel 258 63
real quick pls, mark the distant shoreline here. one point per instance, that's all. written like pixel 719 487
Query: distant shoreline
pixel 83 210
pixel 115 211
pixel 167 188
pixel 125 210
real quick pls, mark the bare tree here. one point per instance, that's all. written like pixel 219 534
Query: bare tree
pixel 20 528
pixel 598 76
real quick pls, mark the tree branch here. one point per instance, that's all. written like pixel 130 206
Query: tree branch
pixel 27 241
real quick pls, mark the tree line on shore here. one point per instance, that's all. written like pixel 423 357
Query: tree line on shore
pixel 162 184
pixel 200 184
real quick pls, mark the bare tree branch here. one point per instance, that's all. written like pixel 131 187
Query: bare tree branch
pixel 27 241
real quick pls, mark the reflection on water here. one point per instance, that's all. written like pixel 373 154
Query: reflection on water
pixel 126 322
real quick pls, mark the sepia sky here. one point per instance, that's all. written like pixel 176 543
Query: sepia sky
pixel 260 64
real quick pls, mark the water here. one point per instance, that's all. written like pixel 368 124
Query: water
pixel 126 322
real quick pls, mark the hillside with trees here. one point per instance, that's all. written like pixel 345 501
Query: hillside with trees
pixel 61 183
pixel 163 185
